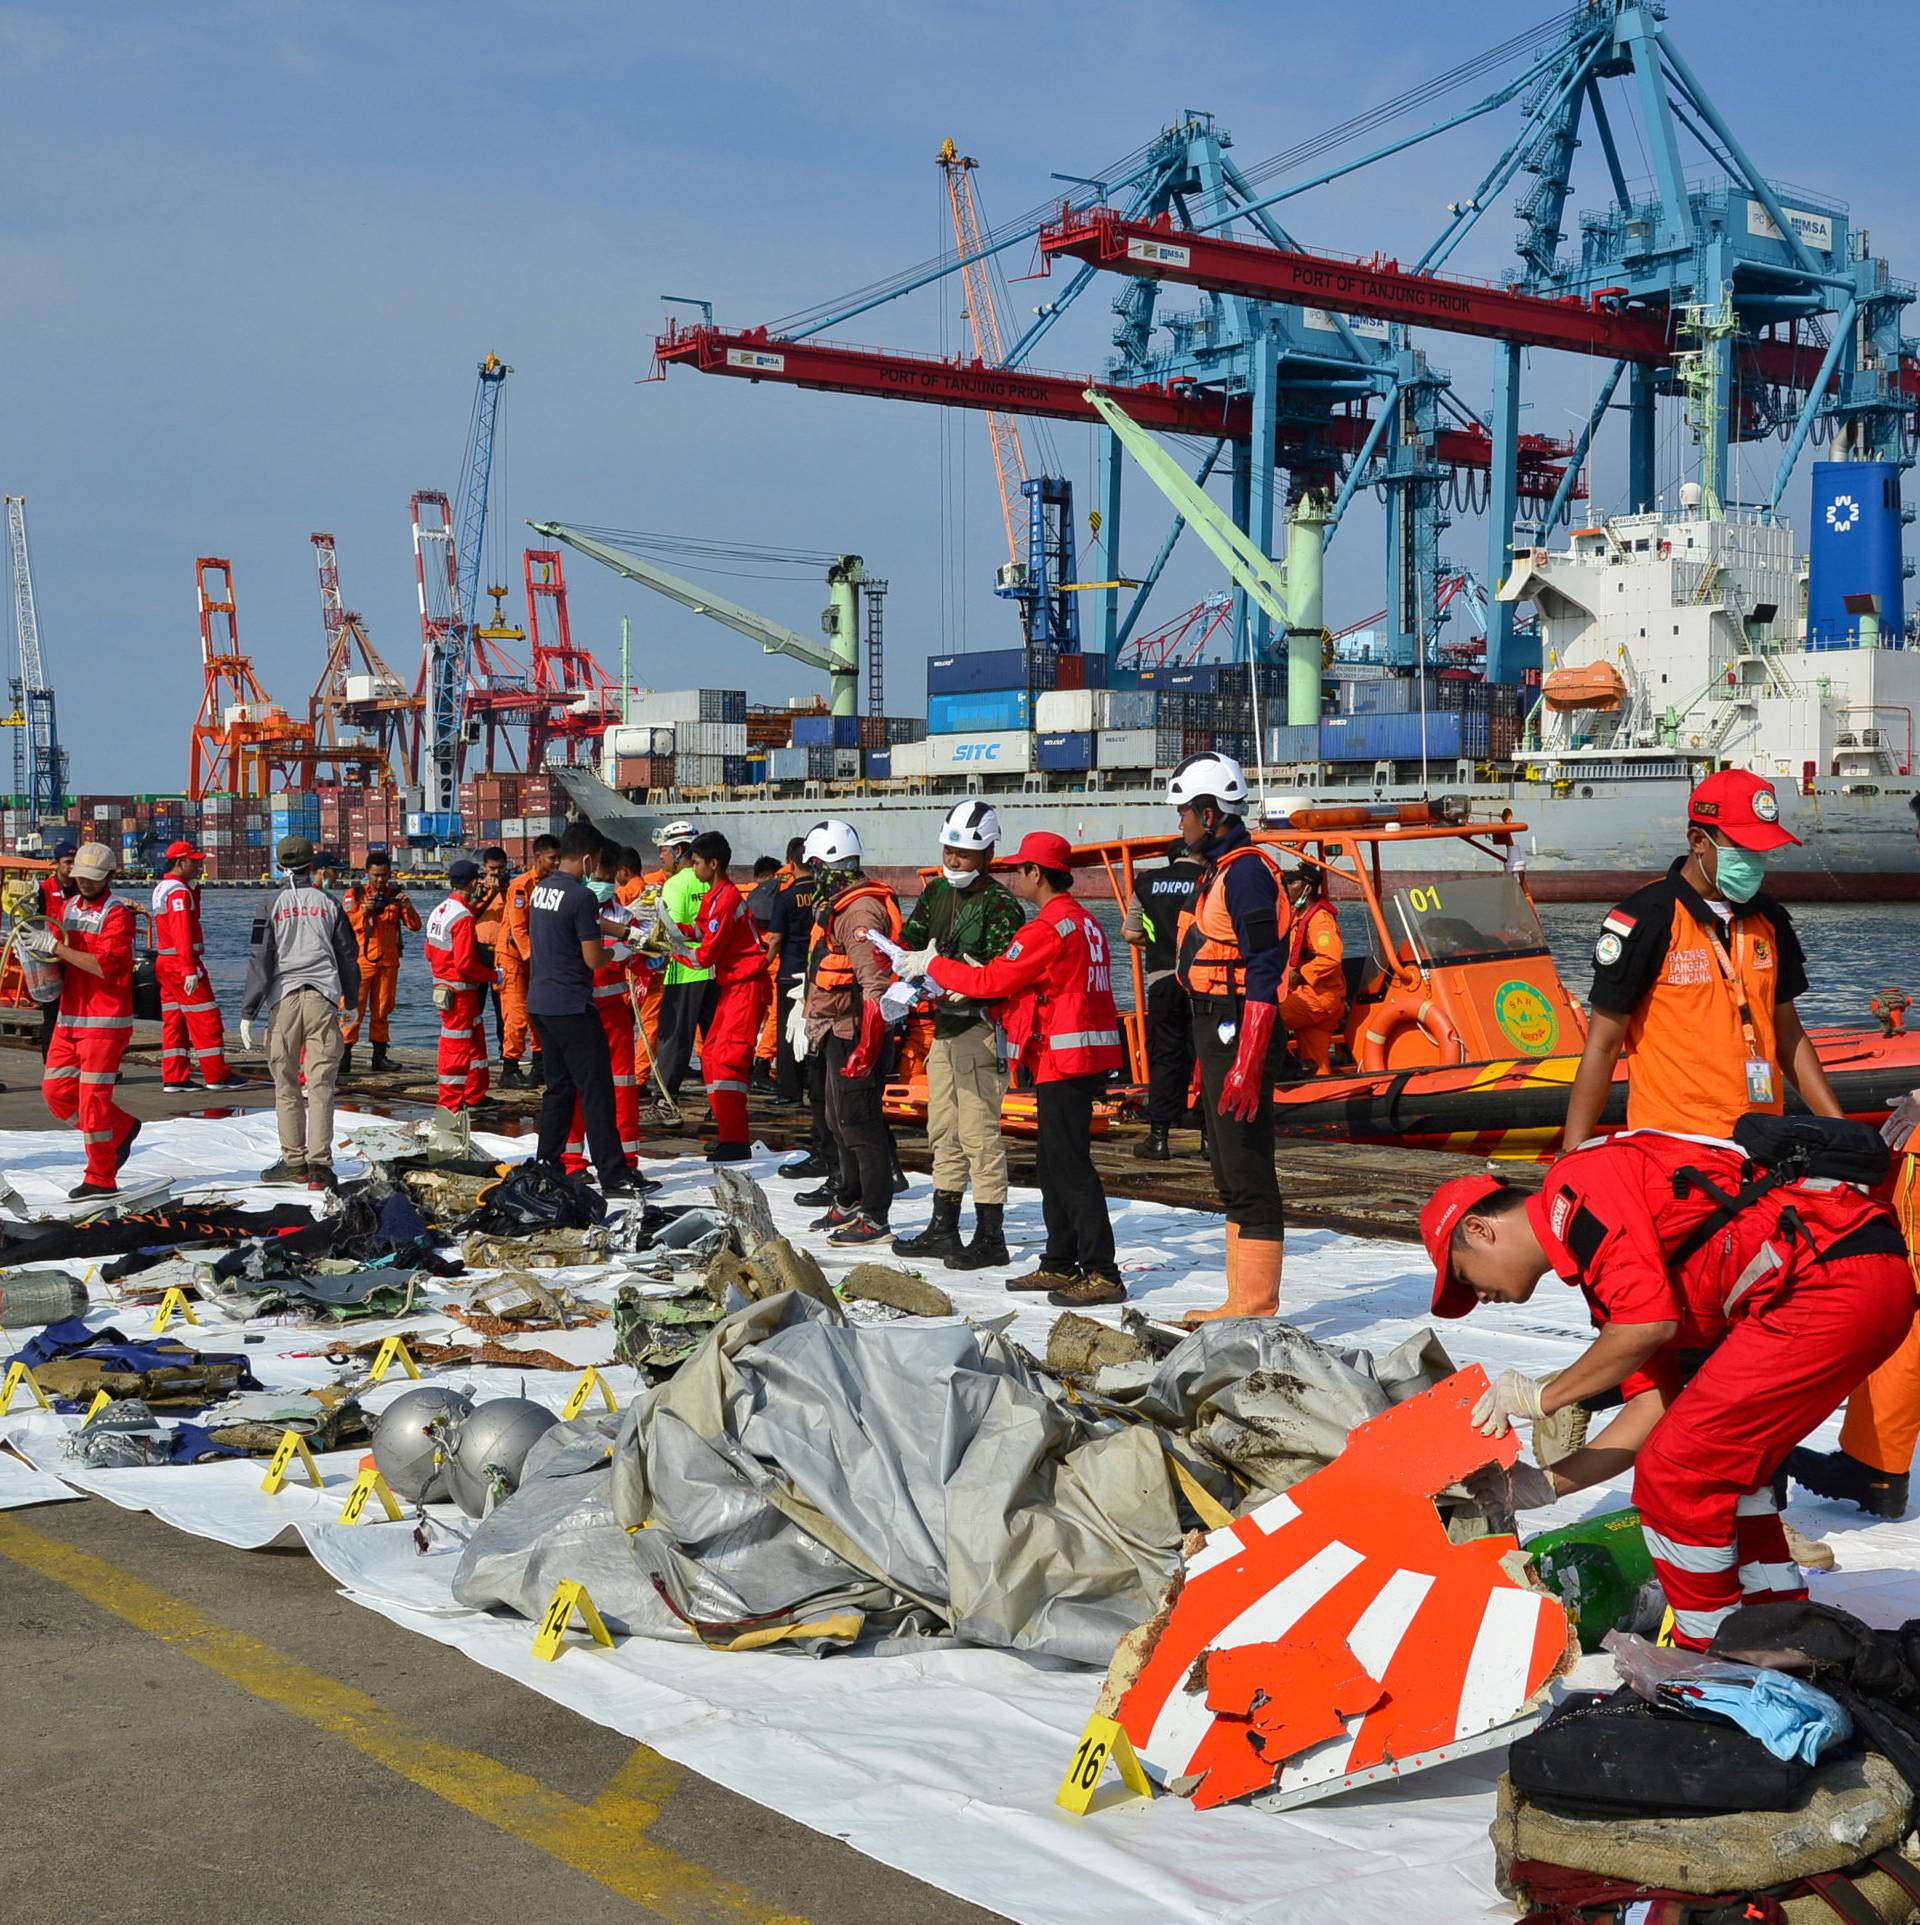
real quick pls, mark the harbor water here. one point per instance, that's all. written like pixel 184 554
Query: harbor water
pixel 1853 950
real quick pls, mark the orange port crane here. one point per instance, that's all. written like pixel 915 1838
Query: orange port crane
pixel 983 323
pixel 244 742
pixel 576 698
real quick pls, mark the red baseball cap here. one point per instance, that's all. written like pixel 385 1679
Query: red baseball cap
pixel 1438 1221
pixel 185 852
pixel 1743 807
pixel 1042 847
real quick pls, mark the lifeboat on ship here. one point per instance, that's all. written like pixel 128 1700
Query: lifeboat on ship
pixel 1592 685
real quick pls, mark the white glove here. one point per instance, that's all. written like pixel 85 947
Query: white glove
pixel 797 1023
pixel 898 999
pixel 886 946
pixel 39 941
pixel 246 1033
pixel 1530 1488
pixel 1511 1395
pixel 913 962
pixel 1904 1120
pixel 188 984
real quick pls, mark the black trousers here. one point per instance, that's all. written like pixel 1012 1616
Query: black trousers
pixel 787 1079
pixel 49 1015
pixel 578 1064
pixel 1241 1153
pixel 819 1137
pixel 685 1010
pixel 1072 1197
pixel 858 1127
pixel 1169 1052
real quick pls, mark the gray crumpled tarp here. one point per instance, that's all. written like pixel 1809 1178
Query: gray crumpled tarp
pixel 805 1480
pixel 897 1476
pixel 1267 1399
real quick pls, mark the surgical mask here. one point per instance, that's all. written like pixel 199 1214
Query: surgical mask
pixel 960 878
pixel 1738 873
pixel 603 890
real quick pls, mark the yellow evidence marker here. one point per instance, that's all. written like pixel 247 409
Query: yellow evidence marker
pixel 18 1374
pixel 1102 1742
pixel 175 1299
pixel 293 1444
pixel 393 1351
pixel 590 1381
pixel 568 1598
pixel 100 1401
pixel 370 1484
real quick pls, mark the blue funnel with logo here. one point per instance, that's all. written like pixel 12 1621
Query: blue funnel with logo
pixel 1855 551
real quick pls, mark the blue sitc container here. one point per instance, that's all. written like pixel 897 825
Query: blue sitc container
pixel 993 709
pixel 1398 738
pixel 826 731
pixel 879 764
pixel 1070 752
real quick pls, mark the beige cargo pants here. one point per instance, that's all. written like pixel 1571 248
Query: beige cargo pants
pixel 306 1026
pixel 964 1086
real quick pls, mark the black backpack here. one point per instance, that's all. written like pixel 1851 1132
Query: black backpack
pixel 538 1196
pixel 1783 1150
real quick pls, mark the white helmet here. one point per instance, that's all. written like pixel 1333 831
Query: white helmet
pixel 970 825
pixel 1210 774
pixel 673 835
pixel 832 843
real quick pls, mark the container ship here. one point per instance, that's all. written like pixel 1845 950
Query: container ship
pixel 1672 644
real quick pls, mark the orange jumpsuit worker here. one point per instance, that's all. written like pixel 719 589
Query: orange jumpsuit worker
pixel 460 984
pixel 190 1031
pixel 516 965
pixel 94 945
pixel 1313 992
pixel 648 974
pixel 489 904
pixel 731 946
pixel 379 913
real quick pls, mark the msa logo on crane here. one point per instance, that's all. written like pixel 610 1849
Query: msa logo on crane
pixel 976 751
pixel 1160 253
pixel 756 358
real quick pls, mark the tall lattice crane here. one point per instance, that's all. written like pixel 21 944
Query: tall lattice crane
pixel 983 323
pixel 244 742
pixel 39 762
pixel 360 712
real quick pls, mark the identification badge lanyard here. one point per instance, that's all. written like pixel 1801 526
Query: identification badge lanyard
pixel 1759 1066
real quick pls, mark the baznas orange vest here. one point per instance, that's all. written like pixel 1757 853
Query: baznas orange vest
pixel 830 966
pixel 1210 962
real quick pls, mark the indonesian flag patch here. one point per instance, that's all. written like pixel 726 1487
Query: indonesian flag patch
pixel 1613 936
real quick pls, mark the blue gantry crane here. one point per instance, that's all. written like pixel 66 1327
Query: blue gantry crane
pixel 1299 370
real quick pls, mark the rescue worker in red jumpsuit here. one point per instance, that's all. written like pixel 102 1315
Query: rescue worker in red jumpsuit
pixel 732 946
pixel 55 891
pixel 613 1004
pixel 1062 1026
pixel 190 1028
pixel 94 946
pixel 461 979
pixel 1734 1316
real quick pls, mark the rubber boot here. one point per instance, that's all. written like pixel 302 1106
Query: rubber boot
pixel 941 1237
pixel 512 1076
pixel 379 1062
pixel 1154 1147
pixel 1253 1280
pixel 989 1246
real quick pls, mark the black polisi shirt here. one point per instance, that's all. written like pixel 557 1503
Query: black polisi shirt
pixel 562 913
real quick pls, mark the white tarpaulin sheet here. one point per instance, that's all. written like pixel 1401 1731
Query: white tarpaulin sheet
pixel 941 1760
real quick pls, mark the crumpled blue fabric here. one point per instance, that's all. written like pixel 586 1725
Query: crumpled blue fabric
pixel 1792 1718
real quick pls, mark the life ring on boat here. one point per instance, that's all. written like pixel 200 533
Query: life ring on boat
pixel 1407 1007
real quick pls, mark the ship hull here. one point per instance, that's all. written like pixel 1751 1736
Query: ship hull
pixel 1589 847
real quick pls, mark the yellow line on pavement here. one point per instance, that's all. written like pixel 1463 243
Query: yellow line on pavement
pixel 604 1840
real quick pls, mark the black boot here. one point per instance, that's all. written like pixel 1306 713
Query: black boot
pixel 989 1245
pixel 379 1058
pixel 941 1237
pixel 537 1073
pixel 805 1166
pixel 1153 1147
pixel 346 1061
pixel 1880 1493
pixel 828 1192
pixel 512 1076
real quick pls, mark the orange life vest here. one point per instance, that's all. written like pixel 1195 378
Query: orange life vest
pixel 1210 961
pixel 829 967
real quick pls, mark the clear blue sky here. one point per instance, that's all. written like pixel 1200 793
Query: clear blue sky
pixel 255 249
